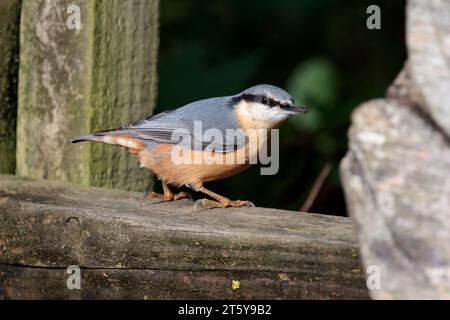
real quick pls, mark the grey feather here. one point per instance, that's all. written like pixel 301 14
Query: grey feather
pixel 267 89
pixel 213 113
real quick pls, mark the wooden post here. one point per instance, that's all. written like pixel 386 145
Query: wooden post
pixel 9 62
pixel 76 81
pixel 166 250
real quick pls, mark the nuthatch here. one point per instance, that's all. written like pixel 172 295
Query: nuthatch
pixel 152 139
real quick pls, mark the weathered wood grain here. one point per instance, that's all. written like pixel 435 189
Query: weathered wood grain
pixel 9 66
pixel 74 82
pixel 166 250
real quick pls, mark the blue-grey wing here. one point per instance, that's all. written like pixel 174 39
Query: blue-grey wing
pixel 205 124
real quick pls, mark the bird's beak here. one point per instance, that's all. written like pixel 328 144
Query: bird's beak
pixel 295 109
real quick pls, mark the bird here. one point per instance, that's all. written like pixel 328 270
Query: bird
pixel 154 139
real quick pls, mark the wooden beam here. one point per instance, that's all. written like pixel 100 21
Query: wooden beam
pixel 76 81
pixel 9 65
pixel 166 250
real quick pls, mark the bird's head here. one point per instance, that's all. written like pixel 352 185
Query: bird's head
pixel 264 106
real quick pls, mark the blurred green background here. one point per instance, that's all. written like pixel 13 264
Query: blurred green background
pixel 318 50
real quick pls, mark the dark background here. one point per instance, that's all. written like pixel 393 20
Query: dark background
pixel 318 50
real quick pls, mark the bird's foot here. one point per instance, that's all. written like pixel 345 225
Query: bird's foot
pixel 164 197
pixel 181 195
pixel 159 196
pixel 222 204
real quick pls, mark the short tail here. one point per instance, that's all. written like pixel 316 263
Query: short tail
pixel 122 140
pixel 84 138
pixel 104 136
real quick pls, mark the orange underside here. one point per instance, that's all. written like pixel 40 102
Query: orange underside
pixel 160 161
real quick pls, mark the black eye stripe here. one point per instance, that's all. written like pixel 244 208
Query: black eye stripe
pixel 261 99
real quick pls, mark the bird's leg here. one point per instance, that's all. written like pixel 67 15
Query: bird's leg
pixel 168 194
pixel 182 195
pixel 221 201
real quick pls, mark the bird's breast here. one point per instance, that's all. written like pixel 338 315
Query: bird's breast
pixel 181 166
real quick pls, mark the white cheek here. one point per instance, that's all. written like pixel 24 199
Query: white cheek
pixel 260 112
pixel 280 115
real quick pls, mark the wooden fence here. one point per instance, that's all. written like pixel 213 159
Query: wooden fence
pixel 60 81
pixel 88 65
pixel 75 79
pixel 166 250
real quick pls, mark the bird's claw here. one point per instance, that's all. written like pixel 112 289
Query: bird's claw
pixel 241 203
pixel 165 197
pixel 181 195
pixel 226 204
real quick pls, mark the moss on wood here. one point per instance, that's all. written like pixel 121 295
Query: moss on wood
pixel 74 82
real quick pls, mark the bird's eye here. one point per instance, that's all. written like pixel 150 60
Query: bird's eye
pixel 264 100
